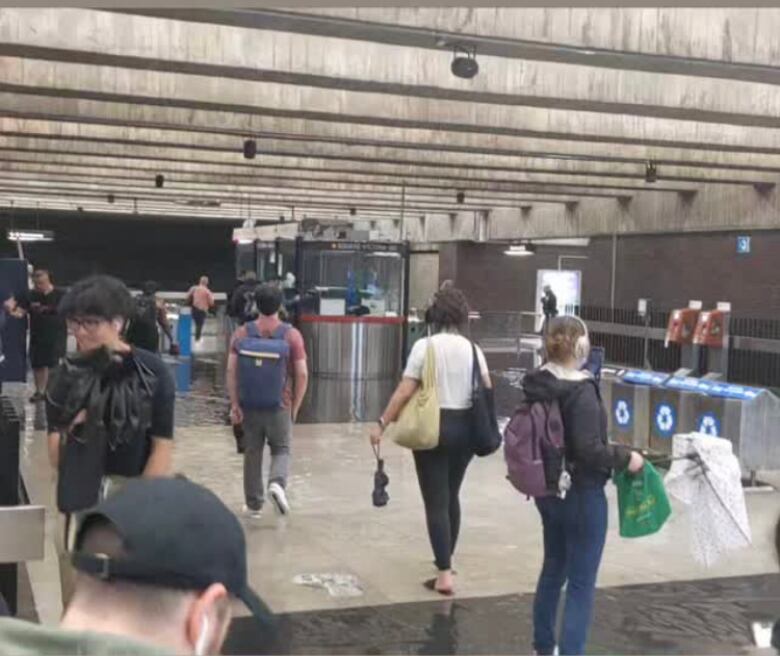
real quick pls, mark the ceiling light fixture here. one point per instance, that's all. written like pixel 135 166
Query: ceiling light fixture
pixel 464 63
pixel 520 250
pixel 31 235
pixel 250 149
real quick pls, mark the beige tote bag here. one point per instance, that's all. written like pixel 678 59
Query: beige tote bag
pixel 418 425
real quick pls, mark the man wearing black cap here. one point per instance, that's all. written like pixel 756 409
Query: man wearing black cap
pixel 157 565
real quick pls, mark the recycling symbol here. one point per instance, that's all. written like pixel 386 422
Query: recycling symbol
pixel 622 413
pixel 665 419
pixel 709 425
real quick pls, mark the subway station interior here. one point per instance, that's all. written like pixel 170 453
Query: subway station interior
pixel 363 161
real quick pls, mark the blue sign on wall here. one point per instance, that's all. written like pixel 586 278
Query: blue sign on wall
pixel 743 245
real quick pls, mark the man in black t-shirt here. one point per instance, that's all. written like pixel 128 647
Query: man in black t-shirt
pixel 48 333
pixel 126 430
pixel 242 306
pixel 95 309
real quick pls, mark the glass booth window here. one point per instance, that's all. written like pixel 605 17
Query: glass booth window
pixel 359 282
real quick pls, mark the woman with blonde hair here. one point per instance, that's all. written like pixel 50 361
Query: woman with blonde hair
pixel 575 526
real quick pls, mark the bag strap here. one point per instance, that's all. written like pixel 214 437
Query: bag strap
pixel 476 371
pixel 252 329
pixel 281 331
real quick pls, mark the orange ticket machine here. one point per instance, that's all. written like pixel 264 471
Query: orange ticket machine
pixel 681 330
pixel 712 336
pixel 682 325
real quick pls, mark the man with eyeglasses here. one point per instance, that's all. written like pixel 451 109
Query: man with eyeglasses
pixel 110 407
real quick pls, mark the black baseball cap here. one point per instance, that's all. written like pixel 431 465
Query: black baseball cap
pixel 175 534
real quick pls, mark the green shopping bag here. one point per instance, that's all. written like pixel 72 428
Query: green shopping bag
pixel 642 502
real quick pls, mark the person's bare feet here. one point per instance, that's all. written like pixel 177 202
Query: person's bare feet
pixel 445 580
pixel 443 583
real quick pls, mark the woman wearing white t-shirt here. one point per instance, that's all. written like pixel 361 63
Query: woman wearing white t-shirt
pixel 440 471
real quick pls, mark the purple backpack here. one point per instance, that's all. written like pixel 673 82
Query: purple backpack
pixel 534 448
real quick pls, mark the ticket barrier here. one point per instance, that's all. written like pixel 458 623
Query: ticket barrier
pixel 628 397
pixel 712 337
pixel 21 526
pixel 681 330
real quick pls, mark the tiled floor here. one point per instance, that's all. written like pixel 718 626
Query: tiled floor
pixel 333 529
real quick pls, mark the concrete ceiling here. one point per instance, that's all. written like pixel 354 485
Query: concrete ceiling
pixel 357 116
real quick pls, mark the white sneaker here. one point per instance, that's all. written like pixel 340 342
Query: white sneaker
pixel 251 513
pixel 279 498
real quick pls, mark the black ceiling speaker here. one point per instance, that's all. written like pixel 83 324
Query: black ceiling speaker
pixel 464 63
pixel 111 198
pixel 281 218
pixel 352 211
pixel 159 180
pixel 250 149
pixel 651 171
pixel 460 197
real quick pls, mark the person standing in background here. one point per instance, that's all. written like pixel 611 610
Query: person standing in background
pixel 202 300
pixel 48 332
pixel 150 312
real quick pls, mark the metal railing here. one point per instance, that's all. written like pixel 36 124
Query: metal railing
pixel 633 340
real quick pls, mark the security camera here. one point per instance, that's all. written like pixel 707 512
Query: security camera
pixel 464 63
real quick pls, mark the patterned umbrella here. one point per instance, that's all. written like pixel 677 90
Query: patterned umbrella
pixel 706 476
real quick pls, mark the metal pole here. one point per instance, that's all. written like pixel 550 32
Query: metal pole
pixel 614 266
pixel 403 204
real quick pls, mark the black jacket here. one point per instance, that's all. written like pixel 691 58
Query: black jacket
pixel 588 451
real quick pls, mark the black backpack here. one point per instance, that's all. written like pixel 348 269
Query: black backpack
pixel 249 309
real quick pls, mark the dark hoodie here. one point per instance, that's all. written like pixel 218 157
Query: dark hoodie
pixel 588 451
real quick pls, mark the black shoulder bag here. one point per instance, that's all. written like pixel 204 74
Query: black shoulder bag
pixel 486 438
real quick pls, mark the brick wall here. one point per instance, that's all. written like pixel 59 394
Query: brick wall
pixel 669 269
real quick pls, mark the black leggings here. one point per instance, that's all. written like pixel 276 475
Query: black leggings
pixel 440 472
pixel 199 317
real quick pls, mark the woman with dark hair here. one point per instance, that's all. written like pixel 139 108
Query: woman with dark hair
pixel 441 470
pixel 575 526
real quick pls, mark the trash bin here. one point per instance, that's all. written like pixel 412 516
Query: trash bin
pixel 627 398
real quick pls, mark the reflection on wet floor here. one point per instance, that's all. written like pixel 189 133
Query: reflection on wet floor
pixel 202 398
pixel 697 617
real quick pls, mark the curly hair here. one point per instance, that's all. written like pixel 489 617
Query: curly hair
pixel 448 309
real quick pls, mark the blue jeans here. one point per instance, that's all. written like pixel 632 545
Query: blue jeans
pixel 575 530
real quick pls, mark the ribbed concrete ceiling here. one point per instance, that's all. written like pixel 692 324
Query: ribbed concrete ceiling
pixel 357 108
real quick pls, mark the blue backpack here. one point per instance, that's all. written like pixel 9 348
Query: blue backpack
pixel 262 368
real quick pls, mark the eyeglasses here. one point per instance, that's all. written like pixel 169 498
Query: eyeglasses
pixel 90 324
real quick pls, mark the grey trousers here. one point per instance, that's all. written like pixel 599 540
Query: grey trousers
pixel 261 426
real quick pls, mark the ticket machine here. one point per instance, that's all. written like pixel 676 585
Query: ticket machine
pixel 681 330
pixel 712 337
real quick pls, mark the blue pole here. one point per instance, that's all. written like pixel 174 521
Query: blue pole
pixel 184 331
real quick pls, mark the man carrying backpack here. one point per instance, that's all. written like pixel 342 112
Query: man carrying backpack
pixel 266 380
pixel 242 306
pixel 149 313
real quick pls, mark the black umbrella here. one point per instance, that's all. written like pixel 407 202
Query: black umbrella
pixel 379 496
